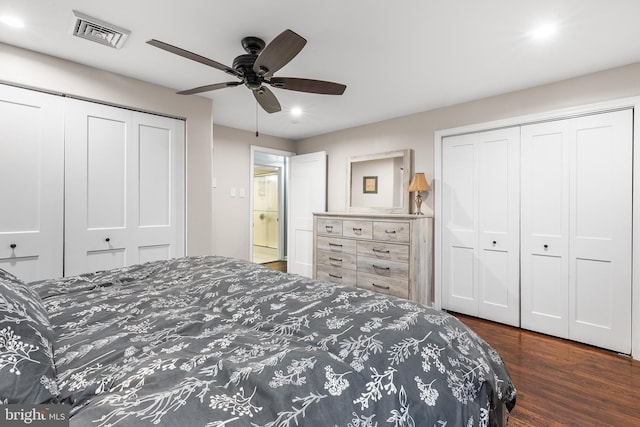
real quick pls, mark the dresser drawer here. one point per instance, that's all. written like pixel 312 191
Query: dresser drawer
pixel 357 229
pixel 340 276
pixel 336 245
pixel 329 227
pixel 383 267
pixel 388 251
pixel 332 259
pixel 395 231
pixel 384 285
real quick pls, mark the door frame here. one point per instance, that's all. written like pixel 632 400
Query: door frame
pixel 565 113
pixel 283 185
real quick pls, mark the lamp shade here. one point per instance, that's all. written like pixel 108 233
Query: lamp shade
pixel 419 183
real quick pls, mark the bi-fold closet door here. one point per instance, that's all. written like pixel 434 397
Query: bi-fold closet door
pixel 31 183
pixel 480 217
pixel 571 221
pixel 124 187
pixel 85 186
pixel 576 229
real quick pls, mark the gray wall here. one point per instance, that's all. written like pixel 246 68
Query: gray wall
pixel 417 131
pixel 232 169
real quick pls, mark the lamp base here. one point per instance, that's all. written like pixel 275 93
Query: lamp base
pixel 418 204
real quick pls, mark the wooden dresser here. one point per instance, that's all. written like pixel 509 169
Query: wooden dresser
pixel 386 253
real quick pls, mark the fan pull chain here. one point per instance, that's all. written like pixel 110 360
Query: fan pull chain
pixel 256 119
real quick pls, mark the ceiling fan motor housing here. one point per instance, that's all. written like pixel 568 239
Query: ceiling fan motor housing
pixel 244 64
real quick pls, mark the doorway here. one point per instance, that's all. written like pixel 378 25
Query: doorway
pixel 268 237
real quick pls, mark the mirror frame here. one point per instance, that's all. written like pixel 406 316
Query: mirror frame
pixel 407 165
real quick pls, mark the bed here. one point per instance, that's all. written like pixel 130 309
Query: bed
pixel 212 341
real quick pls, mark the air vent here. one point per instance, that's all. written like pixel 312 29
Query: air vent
pixel 98 31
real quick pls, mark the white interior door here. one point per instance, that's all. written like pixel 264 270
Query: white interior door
pixel 600 233
pixel 480 211
pixel 160 224
pixel 576 229
pixel 307 194
pixel 545 227
pixel 31 177
pixel 459 225
pixel 124 195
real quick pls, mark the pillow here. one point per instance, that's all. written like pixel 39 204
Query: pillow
pixel 27 369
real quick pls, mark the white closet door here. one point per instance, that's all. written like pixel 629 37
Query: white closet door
pixel 576 229
pixel 481 225
pixel 31 177
pixel 600 233
pixel 159 227
pixel 460 225
pixel 545 227
pixel 124 196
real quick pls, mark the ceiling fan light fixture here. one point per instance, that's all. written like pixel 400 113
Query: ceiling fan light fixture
pixel 296 111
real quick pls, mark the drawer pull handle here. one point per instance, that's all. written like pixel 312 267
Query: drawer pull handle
pixel 545 247
pixel 13 246
pixel 380 287
pixel 107 240
pixel 335 259
pixel 357 230
pixel 329 228
pixel 335 276
pixel 494 243
pixel 390 231
pixel 381 251
pixel 335 244
pixel 377 267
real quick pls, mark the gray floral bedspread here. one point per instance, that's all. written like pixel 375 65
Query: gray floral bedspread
pixel 211 341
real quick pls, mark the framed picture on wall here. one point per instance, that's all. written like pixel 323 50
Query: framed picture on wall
pixel 370 184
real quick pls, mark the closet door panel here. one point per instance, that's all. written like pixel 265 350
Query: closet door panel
pixel 101 161
pixel 460 230
pixel 125 187
pixel 600 239
pixel 31 173
pixel 545 227
pixel 498 225
pixel 160 190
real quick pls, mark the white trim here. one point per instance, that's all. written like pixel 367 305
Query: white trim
pixel 623 103
pixel 284 175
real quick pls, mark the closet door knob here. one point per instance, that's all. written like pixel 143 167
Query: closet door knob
pixel 107 239
pixel 13 246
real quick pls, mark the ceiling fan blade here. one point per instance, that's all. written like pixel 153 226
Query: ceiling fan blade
pixel 267 100
pixel 278 53
pixel 208 88
pixel 194 57
pixel 308 85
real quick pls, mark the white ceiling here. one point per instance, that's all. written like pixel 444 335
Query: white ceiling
pixel 396 58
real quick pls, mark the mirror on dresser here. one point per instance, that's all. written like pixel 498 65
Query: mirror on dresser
pixel 378 183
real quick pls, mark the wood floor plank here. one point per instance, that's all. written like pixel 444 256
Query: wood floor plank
pixel 563 383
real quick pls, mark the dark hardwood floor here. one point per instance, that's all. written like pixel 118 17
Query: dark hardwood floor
pixel 562 383
pixel 277 265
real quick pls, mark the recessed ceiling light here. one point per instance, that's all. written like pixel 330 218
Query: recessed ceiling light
pixel 296 111
pixel 544 31
pixel 12 21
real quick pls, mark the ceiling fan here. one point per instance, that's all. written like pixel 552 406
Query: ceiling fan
pixel 255 69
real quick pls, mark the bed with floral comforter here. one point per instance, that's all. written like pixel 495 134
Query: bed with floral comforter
pixel 213 342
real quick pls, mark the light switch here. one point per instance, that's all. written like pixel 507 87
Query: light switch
pixel 242 193
pixel 232 192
